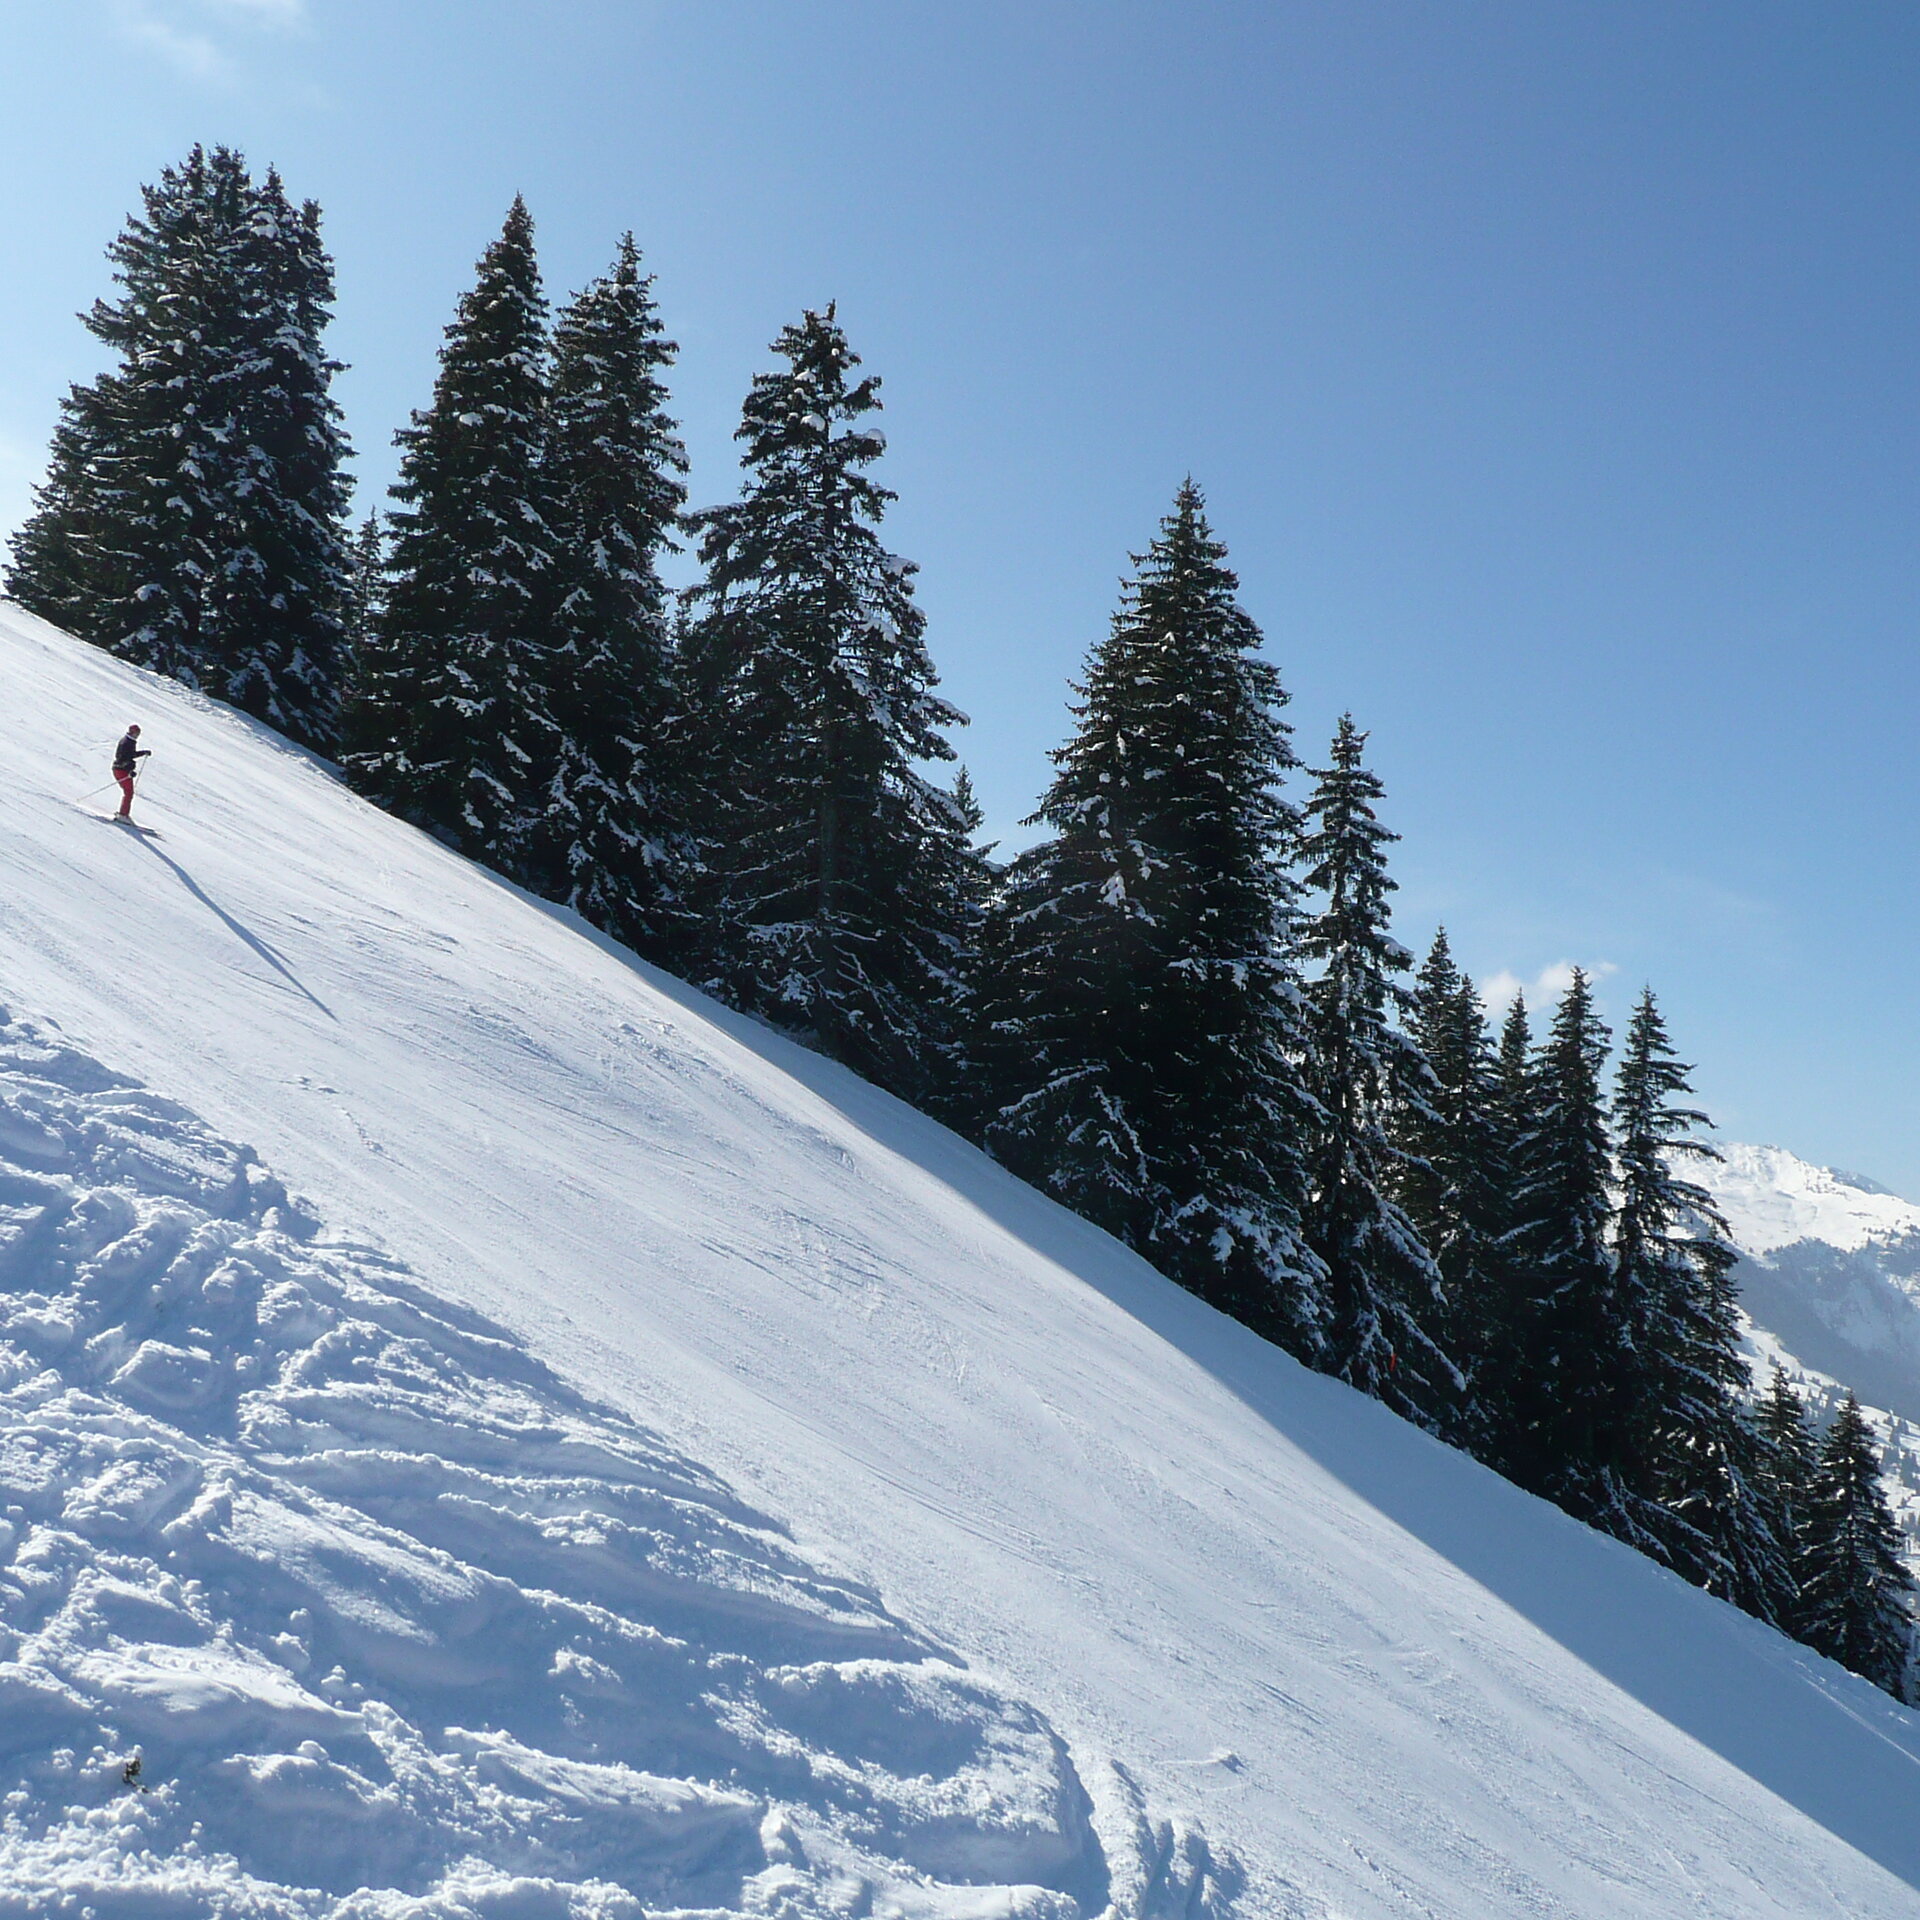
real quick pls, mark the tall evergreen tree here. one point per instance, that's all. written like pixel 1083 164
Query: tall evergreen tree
pixel 124 543
pixel 838 873
pixel 366 595
pixel 1689 1454
pixel 448 728
pixel 281 644
pixel 610 841
pixel 1140 1026
pixel 1455 1175
pixel 1789 1466
pixel 1383 1289
pixel 192 518
pixel 60 566
pixel 1501 1356
pixel 1856 1591
pixel 1575 1387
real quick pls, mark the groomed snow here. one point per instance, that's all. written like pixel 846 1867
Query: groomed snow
pixel 679 1479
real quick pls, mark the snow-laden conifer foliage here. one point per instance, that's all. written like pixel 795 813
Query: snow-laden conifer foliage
pixel 1789 1465
pixel 1383 1290
pixel 1496 1342
pixel 192 519
pixel 366 594
pixel 282 653
pixel 1455 1173
pixel 1855 1589
pixel 1693 1455
pixel 1141 1027
pixel 448 727
pixel 837 884
pixel 608 840
pixel 1570 1385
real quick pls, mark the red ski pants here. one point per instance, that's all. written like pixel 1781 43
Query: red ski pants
pixel 126 792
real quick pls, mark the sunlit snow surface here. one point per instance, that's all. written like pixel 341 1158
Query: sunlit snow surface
pixel 373 1593
pixel 1771 1199
pixel 646 1471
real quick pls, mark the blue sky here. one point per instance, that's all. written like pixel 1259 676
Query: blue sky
pixel 1549 368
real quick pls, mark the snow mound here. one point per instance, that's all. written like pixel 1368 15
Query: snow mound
pixel 374 1595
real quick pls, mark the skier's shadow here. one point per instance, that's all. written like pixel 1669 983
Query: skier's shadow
pixel 253 940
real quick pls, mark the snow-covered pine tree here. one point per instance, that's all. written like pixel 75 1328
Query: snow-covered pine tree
pixel 610 841
pixel 960 1097
pixel 1788 1467
pixel 447 728
pixel 57 566
pixel 1855 1593
pixel 1140 1021
pixel 1499 1340
pixel 1454 1175
pixel 280 641
pixel 124 542
pixel 837 874
pixel 1692 1458
pixel 1384 1301
pixel 366 595
pixel 1575 1374
pixel 192 516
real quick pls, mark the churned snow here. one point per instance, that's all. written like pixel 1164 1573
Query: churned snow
pixel 497 1435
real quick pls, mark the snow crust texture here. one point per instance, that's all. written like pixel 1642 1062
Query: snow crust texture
pixel 375 1597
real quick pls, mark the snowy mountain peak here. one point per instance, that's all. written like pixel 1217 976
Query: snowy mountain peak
pixel 1773 1199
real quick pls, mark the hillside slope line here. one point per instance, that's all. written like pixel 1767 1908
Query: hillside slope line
pixel 581 1454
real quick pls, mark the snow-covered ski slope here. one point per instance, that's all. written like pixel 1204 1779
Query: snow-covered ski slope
pixel 493 1429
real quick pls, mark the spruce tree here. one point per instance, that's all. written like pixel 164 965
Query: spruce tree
pixel 59 566
pixel 1690 1456
pixel 1501 1356
pixel 1454 1175
pixel 448 728
pixel 610 842
pixel 835 896
pixel 1382 1288
pixel 1855 1598
pixel 192 518
pixel 366 595
pixel 1139 1029
pixel 281 641
pixel 1789 1465
pixel 1574 1385
pixel 125 543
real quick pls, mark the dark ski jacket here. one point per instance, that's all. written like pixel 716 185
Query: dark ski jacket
pixel 126 754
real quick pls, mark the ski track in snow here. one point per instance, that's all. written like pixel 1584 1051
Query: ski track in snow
pixel 657 1473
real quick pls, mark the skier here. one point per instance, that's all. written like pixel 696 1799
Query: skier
pixel 126 766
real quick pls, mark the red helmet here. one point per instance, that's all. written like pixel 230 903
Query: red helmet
pixel 134 727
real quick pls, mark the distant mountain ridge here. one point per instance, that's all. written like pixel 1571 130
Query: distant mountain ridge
pixel 1772 1198
pixel 1830 1268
